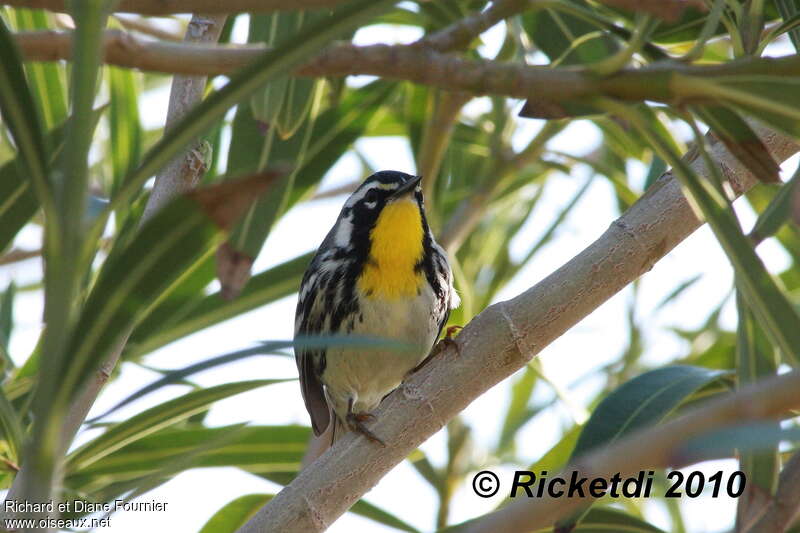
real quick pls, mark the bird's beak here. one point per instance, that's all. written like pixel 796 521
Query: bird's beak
pixel 407 187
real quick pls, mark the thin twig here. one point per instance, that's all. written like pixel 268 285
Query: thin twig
pixel 460 34
pixel 15 255
pixel 669 10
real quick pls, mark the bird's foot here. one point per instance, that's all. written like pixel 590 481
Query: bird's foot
pixel 356 423
pixel 448 341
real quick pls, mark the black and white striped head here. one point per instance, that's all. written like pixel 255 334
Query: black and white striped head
pixel 363 208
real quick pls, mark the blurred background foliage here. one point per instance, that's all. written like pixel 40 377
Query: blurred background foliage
pixel 486 170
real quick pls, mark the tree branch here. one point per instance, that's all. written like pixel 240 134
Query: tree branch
pixel 502 339
pixel 669 10
pixel 785 505
pixel 654 447
pixel 183 172
pixel 548 86
pixel 168 7
pixel 460 34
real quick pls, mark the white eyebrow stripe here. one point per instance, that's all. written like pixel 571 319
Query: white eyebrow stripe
pixel 359 194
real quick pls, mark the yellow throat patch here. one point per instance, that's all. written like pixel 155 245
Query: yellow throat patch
pixel 396 247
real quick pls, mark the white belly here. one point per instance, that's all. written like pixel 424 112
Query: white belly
pixel 366 375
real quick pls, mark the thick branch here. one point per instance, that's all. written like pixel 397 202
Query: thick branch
pixel 548 86
pixel 168 7
pixel 498 342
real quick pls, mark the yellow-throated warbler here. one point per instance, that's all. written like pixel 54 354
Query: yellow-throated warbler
pixel 378 273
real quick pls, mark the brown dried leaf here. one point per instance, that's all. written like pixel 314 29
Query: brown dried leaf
pixel 233 270
pixel 226 202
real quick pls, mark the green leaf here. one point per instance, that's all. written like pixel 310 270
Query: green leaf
pixel 46 79
pixel 173 320
pixel 789 11
pixel 7 315
pixel 286 101
pixel 605 519
pixel 777 212
pixel 376 514
pixel 158 417
pixel 235 513
pixel 257 449
pixel 518 409
pixel 642 401
pixel 771 99
pixel 125 130
pixel 178 376
pixel 597 520
pixel 657 168
pixel 742 438
pixel 21 117
pixel 689 27
pixel 756 359
pixel 741 140
pixel 134 488
pixel 563 37
pixel 18 202
pixel 680 289
pixel 556 457
pixel 11 428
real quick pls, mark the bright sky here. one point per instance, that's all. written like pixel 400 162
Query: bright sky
pixel 194 496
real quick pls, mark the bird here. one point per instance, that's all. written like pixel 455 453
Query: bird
pixel 378 273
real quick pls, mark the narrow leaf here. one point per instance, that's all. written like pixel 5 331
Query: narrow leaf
pixel 741 140
pixel 776 314
pixel 235 513
pixel 174 320
pixel 21 117
pixel 777 212
pixel 642 401
pixel 138 273
pixel 155 418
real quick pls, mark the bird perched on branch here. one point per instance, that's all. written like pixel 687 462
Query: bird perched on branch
pixel 378 273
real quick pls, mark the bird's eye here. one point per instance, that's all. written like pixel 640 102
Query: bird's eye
pixel 371 197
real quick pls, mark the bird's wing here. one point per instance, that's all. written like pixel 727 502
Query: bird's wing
pixel 307 322
pixel 313 392
pixel 448 298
